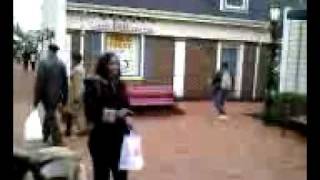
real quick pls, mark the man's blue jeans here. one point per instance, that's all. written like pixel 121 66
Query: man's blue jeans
pixel 219 97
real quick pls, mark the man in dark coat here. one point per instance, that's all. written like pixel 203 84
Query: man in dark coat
pixel 51 89
pixel 222 84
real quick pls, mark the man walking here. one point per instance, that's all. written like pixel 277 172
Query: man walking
pixel 26 58
pixel 221 85
pixel 72 114
pixel 51 89
pixel 33 61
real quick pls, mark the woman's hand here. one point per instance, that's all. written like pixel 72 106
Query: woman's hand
pixel 109 115
pixel 124 112
pixel 129 122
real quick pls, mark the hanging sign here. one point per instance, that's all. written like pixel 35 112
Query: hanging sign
pixel 97 23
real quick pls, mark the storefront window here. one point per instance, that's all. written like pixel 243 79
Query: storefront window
pixel 127 48
pixel 229 55
pixel 92 50
pixel 234 5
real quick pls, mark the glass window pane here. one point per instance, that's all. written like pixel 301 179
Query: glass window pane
pixel 229 55
pixel 235 2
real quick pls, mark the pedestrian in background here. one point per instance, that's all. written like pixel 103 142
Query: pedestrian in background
pixel 51 89
pixel 221 84
pixel 33 61
pixel 106 110
pixel 26 58
pixel 73 113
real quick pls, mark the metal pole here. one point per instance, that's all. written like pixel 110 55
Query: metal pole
pixel 272 75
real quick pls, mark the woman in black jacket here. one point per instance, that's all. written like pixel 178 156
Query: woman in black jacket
pixel 106 108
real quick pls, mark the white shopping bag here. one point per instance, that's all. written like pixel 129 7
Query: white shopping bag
pixel 82 172
pixel 33 127
pixel 131 153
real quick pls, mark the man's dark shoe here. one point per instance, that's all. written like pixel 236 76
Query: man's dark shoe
pixel 61 143
pixel 45 139
pixel 83 132
pixel 67 133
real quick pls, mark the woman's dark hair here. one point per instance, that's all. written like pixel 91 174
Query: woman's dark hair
pixel 76 57
pixel 102 63
pixel 53 47
pixel 225 65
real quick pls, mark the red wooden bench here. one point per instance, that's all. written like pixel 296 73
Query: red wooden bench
pixel 151 95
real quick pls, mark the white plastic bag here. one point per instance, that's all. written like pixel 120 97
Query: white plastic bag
pixel 82 172
pixel 226 81
pixel 33 127
pixel 131 153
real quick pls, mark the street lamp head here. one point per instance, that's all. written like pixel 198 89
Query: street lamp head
pixel 275 12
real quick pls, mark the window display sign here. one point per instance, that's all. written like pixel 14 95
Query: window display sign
pixel 127 48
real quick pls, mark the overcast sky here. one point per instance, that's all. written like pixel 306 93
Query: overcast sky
pixel 27 13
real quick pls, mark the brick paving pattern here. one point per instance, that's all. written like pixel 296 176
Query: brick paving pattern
pixel 195 145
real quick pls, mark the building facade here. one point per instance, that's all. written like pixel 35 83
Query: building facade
pixel 180 43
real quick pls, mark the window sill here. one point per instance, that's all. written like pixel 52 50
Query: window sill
pixel 242 11
pixel 132 78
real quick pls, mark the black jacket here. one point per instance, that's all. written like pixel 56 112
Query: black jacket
pixel 51 85
pixel 99 93
pixel 216 82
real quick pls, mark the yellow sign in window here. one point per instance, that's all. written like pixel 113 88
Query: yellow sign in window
pixel 127 48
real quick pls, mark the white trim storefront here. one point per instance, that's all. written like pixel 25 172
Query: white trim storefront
pixel 125 31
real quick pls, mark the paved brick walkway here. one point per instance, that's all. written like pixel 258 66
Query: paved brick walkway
pixel 196 145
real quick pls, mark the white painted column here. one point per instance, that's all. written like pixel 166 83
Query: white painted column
pixel 256 71
pixel 142 46
pixel 55 18
pixel 179 68
pixel 61 38
pixel 219 50
pixel 238 82
pixel 102 42
pixel 68 44
pixel 284 53
pixel 82 33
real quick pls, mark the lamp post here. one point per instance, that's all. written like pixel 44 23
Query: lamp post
pixel 272 75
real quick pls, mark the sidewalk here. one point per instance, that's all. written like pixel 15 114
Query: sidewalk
pixel 196 145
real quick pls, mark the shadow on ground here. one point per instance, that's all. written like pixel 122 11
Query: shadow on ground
pixel 286 125
pixel 254 115
pixel 158 111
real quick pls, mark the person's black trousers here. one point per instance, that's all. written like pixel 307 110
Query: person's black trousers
pixel 105 150
pixel 219 98
pixel 33 66
pixel 51 127
pixel 68 120
pixel 102 171
pixel 25 65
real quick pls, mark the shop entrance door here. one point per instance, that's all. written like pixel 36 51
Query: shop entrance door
pixel 200 65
